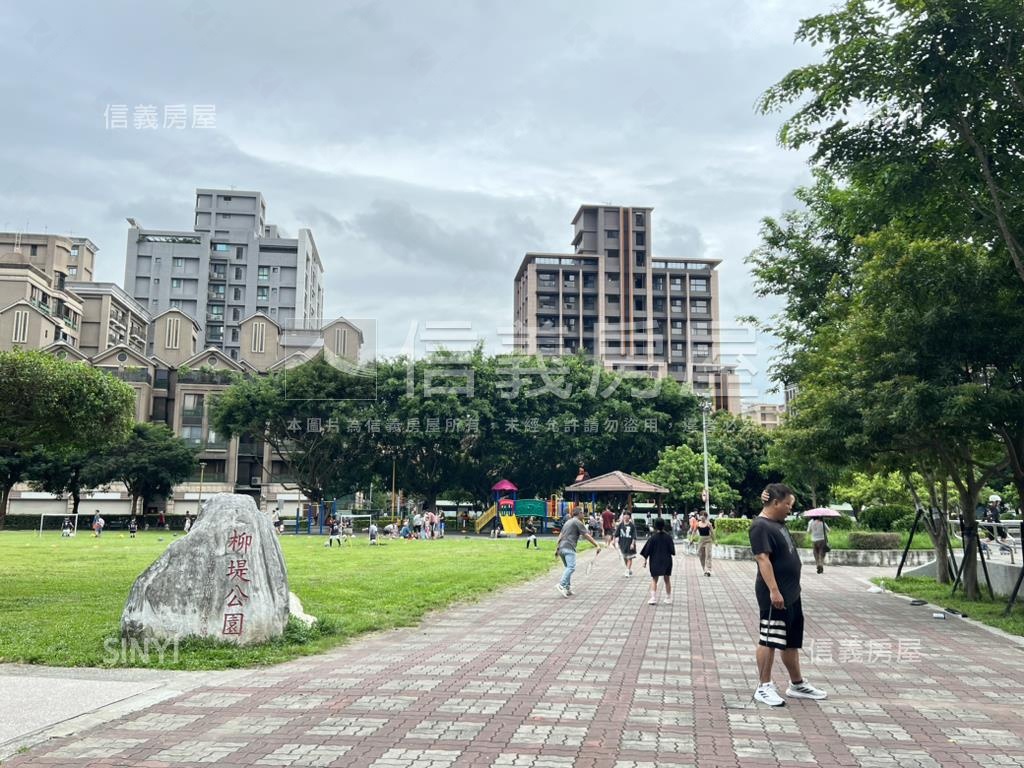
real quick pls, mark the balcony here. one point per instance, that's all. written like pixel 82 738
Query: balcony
pixel 192 415
pixel 44 308
pixel 215 317
pixel 205 377
pixel 250 449
pixel 218 276
pixel 215 295
pixel 133 374
pixel 217 444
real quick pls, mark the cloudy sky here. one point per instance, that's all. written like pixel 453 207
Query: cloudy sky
pixel 428 145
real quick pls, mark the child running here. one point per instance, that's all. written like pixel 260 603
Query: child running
pixel 625 534
pixel 659 551
pixel 373 533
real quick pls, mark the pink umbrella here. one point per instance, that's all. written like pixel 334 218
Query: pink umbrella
pixel 822 512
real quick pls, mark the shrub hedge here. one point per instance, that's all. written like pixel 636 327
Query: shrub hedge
pixel 727 525
pixel 882 517
pixel 874 540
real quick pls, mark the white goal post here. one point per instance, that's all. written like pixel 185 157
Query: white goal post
pixel 74 521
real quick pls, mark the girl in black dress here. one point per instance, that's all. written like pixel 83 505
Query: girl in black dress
pixel 659 551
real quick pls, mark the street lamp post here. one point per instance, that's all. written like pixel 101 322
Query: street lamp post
pixel 202 474
pixel 705 408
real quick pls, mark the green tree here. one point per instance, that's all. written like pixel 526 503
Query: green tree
pixel 55 404
pixel 63 471
pixel 150 463
pixel 305 414
pixel 938 86
pixel 741 447
pixel 681 470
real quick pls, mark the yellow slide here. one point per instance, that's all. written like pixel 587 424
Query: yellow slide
pixel 511 525
pixel 485 518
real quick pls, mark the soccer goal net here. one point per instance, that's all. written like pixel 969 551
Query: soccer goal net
pixel 65 524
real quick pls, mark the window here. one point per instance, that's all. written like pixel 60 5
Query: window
pixel 20 326
pixel 611 234
pixel 676 283
pixel 589 280
pixel 263 275
pixel 262 293
pixel 570 302
pixel 677 347
pixel 221 247
pixel 659 305
pixel 613 298
pixel 589 302
pixel 179 263
pixel 699 284
pixel 677 326
pixel 700 307
pixel 173 333
pixel 340 340
pixel 702 350
pixel 641 258
pixel 238 273
pixel 612 253
pixel 701 327
pixel 641 238
pixel 217 291
pixel 74 252
pixel 192 435
pixel 677 305
pixel 234 334
pixel 613 277
pixel 639 281
pixel 175 283
pixel 236 313
pixel 35 250
pixel 638 219
pixel 72 270
pixel 639 303
pixel 237 294
pixel 259 337
pixel 217 310
pixel 239 252
pixel 176 303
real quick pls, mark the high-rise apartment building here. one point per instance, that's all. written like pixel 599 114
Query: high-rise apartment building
pixel 613 299
pixel 230 266
pixel 37 304
pixel 768 415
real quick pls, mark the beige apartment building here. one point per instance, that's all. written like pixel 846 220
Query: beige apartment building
pixel 177 384
pixel 614 300
pixel 768 415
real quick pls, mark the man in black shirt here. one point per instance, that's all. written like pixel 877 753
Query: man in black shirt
pixel 777 588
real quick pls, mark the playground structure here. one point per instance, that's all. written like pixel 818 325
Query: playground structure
pixel 509 511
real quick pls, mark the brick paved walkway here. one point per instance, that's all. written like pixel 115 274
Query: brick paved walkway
pixel 528 679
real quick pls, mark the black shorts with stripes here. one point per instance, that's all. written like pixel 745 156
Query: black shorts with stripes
pixel 781 628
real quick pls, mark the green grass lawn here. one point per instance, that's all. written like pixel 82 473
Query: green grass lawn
pixel 61 599
pixel 986 610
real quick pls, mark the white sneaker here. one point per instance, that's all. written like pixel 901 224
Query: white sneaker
pixel 562 590
pixel 568 591
pixel 629 572
pixel 767 694
pixel 653 600
pixel 805 691
pixel 667 601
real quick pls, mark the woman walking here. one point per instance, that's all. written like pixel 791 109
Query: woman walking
pixel 706 539
pixel 659 551
pixel 819 540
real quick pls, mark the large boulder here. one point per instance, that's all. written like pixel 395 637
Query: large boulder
pixel 225 580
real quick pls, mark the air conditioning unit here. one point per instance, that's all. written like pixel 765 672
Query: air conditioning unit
pixel 254 481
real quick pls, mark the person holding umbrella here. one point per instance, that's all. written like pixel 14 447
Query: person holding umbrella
pixel 819 537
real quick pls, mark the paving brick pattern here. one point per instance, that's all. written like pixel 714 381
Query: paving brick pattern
pixel 529 679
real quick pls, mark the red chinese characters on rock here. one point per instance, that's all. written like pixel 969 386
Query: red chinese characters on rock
pixel 239 543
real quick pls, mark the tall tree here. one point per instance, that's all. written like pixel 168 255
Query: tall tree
pixel 149 463
pixel 681 470
pixel 56 404
pixel 923 100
